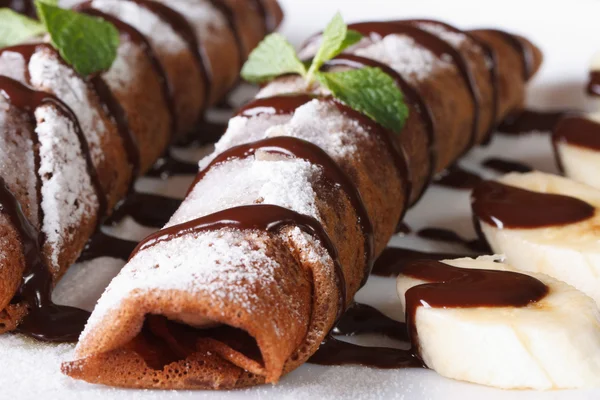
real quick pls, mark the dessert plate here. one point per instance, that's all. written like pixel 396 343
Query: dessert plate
pixel 564 32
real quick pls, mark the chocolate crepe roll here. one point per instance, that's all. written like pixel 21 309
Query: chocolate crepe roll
pixel 280 228
pixel 72 145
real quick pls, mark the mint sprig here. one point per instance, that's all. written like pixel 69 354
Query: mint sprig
pixel 16 28
pixel 89 44
pixel 367 90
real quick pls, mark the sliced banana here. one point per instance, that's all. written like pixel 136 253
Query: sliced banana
pixel 570 253
pixel 579 162
pixel 553 343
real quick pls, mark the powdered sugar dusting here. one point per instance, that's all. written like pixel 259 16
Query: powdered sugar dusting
pixel 162 38
pixel 67 192
pixel 122 72
pixel 49 74
pixel 286 183
pixel 403 54
pixel 226 265
pixel 16 157
pixel 12 64
pixel 203 17
pixel 455 39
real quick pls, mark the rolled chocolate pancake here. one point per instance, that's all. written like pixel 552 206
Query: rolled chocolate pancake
pixel 71 146
pixel 283 223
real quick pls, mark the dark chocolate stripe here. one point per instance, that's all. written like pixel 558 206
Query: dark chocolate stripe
pixel 299 148
pixel 437 46
pixel 45 320
pixel 287 104
pixel 229 15
pixel 410 94
pixel 180 25
pixel 524 51
pixel 262 217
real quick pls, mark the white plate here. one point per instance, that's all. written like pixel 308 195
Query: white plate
pixel 566 31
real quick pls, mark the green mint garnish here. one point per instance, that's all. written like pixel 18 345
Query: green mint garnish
pixel 88 44
pixel 367 90
pixel 273 57
pixel 371 92
pixel 334 40
pixel 15 28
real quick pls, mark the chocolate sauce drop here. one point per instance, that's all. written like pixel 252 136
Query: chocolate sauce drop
pixel 527 121
pixel 505 166
pixel 453 287
pixel 457 178
pixel 578 130
pixel 506 206
pixel 45 320
pixel 445 235
pixel 393 259
pixel 147 209
pixel 263 217
pixel 361 318
pixel 403 228
pixel 337 352
pixel 168 166
pixel 593 87
pixel 103 245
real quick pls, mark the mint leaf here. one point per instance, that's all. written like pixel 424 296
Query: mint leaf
pixel 16 28
pixel 274 56
pixel 87 43
pixel 335 39
pixel 371 92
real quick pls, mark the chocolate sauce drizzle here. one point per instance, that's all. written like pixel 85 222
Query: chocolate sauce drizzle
pixel 452 287
pixel 263 217
pixel 506 206
pixel 527 121
pixel 180 25
pixel 448 236
pixel 299 148
pixel 525 51
pixel 45 321
pixel 437 46
pixel 25 7
pixel 457 178
pixel 147 209
pixel 393 260
pixel 103 245
pixel 505 166
pixel 168 166
pixel 593 87
pixel 578 130
pixel 411 95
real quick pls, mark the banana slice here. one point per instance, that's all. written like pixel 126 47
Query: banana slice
pixel 553 343
pixel 568 251
pixel 577 147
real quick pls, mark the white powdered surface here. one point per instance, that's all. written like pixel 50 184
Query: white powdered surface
pixel 162 38
pixel 13 65
pixel 17 164
pixel 67 191
pixel 286 183
pixel 220 264
pixel 455 39
pixel 121 74
pixel 413 62
pixel 50 75
pixel 203 17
